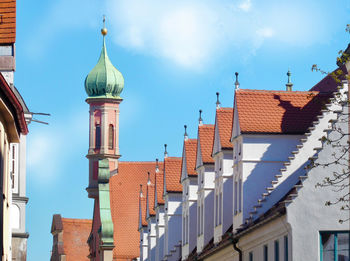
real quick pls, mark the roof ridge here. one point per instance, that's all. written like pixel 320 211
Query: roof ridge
pixel 281 91
pixel 77 220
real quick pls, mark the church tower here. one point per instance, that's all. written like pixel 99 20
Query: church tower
pixel 103 86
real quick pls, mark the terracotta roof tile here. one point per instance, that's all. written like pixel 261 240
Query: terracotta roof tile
pixel 172 170
pixel 75 235
pixel 7 21
pixel 124 193
pixel 287 112
pixel 206 140
pixel 224 118
pixel 191 152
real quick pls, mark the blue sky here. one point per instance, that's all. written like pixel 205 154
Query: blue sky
pixel 174 56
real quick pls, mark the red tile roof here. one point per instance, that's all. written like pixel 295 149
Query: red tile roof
pixel 172 170
pixel 150 188
pixel 7 21
pixel 160 186
pixel 287 112
pixel 191 152
pixel 124 193
pixel 75 235
pixel 224 118
pixel 206 140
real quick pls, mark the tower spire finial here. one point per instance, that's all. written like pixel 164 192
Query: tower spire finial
pixel 217 100
pixel 236 82
pixel 289 84
pixel 185 134
pixel 165 151
pixel 200 120
pixel 104 29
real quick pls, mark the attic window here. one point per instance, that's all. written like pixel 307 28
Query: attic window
pixel 98 136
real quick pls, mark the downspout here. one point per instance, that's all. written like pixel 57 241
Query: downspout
pixel 234 242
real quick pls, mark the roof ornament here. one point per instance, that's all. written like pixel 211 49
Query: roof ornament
pixel 200 120
pixel 157 165
pixel 236 82
pixel 185 135
pixel 217 101
pixel 148 179
pixel 165 151
pixel 289 84
pixel 104 29
pixel 141 194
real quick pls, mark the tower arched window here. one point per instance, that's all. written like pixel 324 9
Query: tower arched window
pixel 111 137
pixel 98 136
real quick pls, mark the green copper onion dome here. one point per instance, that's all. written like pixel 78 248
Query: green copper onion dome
pixel 104 80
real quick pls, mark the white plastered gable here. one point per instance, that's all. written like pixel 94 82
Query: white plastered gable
pixel 217 142
pixel 236 130
pixel 199 161
pixel 184 165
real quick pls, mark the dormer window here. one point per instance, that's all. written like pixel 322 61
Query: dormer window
pixel 111 137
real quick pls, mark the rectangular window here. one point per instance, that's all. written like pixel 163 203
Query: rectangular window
pixel 220 208
pixel 277 250
pixel 14 166
pixel 216 209
pixel 202 219
pixel 266 253
pixel 335 246
pixel 198 219
pixel 250 256
pixel 285 248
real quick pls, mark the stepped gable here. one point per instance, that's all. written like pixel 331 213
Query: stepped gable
pixel 160 185
pixel 224 118
pixel 124 194
pixel 206 140
pixel 278 112
pixel 172 170
pixel 8 21
pixel 190 150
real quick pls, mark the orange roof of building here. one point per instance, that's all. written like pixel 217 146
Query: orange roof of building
pixel 75 235
pixel 7 21
pixel 287 112
pixel 224 117
pixel 160 186
pixel 124 196
pixel 206 140
pixel 191 152
pixel 150 194
pixel 172 172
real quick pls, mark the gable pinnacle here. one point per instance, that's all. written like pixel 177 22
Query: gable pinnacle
pixel 236 82
pixel 217 100
pixel 157 165
pixel 104 29
pixel 141 194
pixel 200 120
pixel 165 151
pixel 289 84
pixel 148 179
pixel 185 135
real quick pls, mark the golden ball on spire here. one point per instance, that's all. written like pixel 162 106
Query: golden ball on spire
pixel 104 31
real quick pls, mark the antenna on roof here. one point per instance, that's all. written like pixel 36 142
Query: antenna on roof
pixel 141 194
pixel 289 84
pixel 165 151
pixel 236 82
pixel 217 100
pixel 148 179
pixel 200 120
pixel 185 135
pixel 157 165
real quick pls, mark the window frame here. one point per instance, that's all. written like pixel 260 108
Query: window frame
pixel 335 233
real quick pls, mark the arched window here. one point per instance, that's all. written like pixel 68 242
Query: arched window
pixel 98 136
pixel 111 137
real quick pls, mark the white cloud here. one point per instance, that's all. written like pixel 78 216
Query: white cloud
pixel 246 5
pixel 192 33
